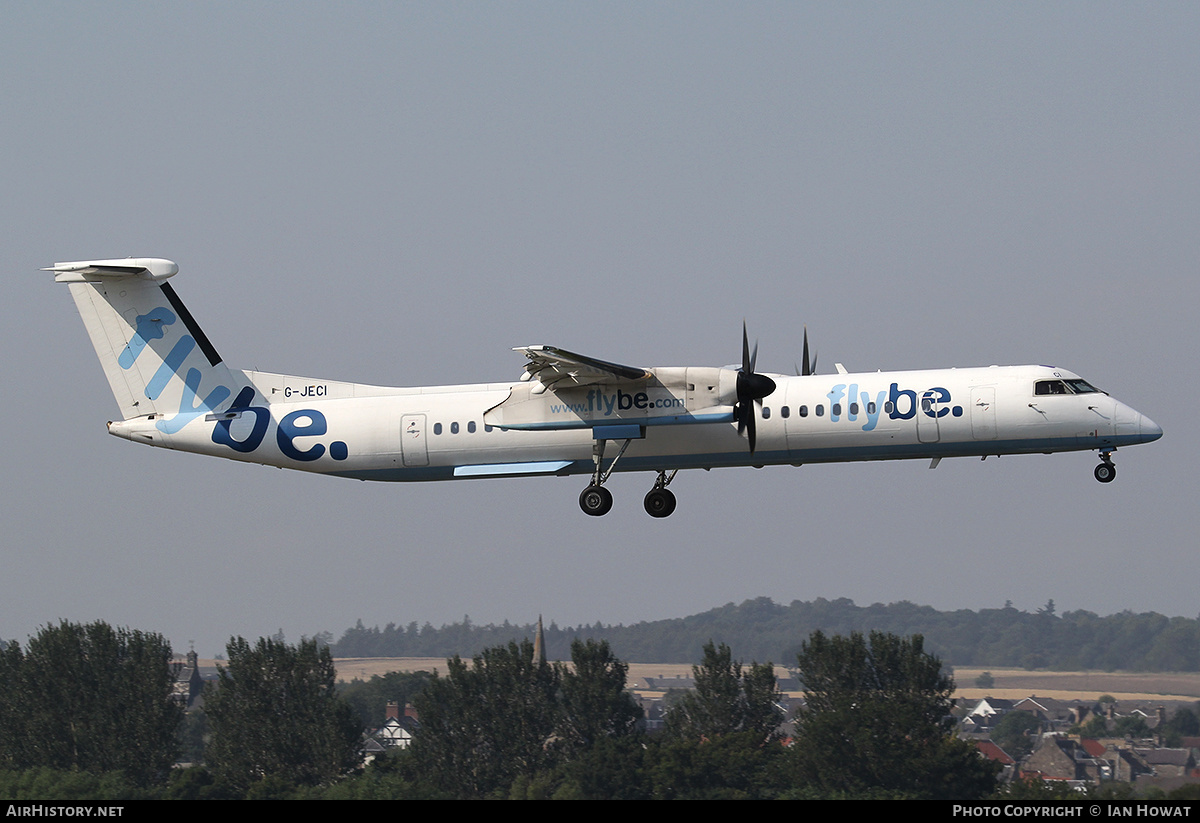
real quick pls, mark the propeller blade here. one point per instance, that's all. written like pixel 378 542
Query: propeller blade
pixel 747 364
pixel 751 389
pixel 807 363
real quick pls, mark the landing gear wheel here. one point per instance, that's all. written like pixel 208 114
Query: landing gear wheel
pixel 596 501
pixel 659 503
pixel 1106 472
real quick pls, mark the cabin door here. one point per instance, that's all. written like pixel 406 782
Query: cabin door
pixel 983 412
pixel 412 440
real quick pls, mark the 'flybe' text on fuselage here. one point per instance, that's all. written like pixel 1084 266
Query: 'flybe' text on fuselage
pixel 597 402
pixel 896 403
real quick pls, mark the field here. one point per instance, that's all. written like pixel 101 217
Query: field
pixel 1018 683
pixel 1009 683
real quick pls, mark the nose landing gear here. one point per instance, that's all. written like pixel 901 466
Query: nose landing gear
pixel 1106 472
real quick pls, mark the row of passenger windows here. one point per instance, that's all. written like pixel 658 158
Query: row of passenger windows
pixel 819 410
pixel 454 429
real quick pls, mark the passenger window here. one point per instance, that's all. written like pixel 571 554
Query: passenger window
pixel 766 412
pixel 785 412
pixel 471 427
pixel 454 428
pixel 871 407
pixel 820 410
pixel 835 409
pixel 802 411
pixel 853 408
pixel 486 427
pixel 437 428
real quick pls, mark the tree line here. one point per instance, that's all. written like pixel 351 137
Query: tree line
pixel 88 711
pixel 763 629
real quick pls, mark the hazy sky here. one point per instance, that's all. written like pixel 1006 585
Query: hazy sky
pixel 399 193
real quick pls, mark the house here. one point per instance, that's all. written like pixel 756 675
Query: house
pixel 992 752
pixel 1168 762
pixel 397 731
pixel 1060 758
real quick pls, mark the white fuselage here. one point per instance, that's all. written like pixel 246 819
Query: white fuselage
pixel 492 430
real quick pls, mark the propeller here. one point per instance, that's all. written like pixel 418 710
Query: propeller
pixel 810 366
pixel 751 389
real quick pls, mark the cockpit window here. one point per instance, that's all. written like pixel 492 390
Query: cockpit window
pixel 1050 387
pixel 1073 386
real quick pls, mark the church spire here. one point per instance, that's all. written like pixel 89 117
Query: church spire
pixel 539 644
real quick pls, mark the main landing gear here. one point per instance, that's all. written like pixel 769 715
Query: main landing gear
pixel 660 501
pixel 1106 472
pixel 597 501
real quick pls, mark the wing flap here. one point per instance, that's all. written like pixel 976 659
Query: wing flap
pixel 550 365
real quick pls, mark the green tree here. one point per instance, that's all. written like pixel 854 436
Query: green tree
pixel 89 697
pixel 595 703
pixel 507 725
pixel 370 697
pixel 1130 726
pixel 731 766
pixel 1183 723
pixel 274 714
pixel 727 699
pixel 985 680
pixel 1014 733
pixel 485 724
pixel 1095 726
pixel 613 768
pixel 877 719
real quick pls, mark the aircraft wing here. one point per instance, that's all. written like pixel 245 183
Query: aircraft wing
pixel 548 365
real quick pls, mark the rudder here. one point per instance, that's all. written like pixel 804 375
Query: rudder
pixel 154 354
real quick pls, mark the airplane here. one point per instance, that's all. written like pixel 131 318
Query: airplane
pixel 175 392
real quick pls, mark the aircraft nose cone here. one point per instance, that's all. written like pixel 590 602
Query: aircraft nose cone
pixel 1150 430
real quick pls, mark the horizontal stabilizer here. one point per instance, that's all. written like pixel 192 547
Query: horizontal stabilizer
pixel 156 267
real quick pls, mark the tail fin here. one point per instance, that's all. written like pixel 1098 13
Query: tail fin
pixel 156 358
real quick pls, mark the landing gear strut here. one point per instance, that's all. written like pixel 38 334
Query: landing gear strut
pixel 660 501
pixel 596 500
pixel 1106 472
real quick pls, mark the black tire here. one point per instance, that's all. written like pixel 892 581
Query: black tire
pixel 659 503
pixel 1106 472
pixel 596 501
